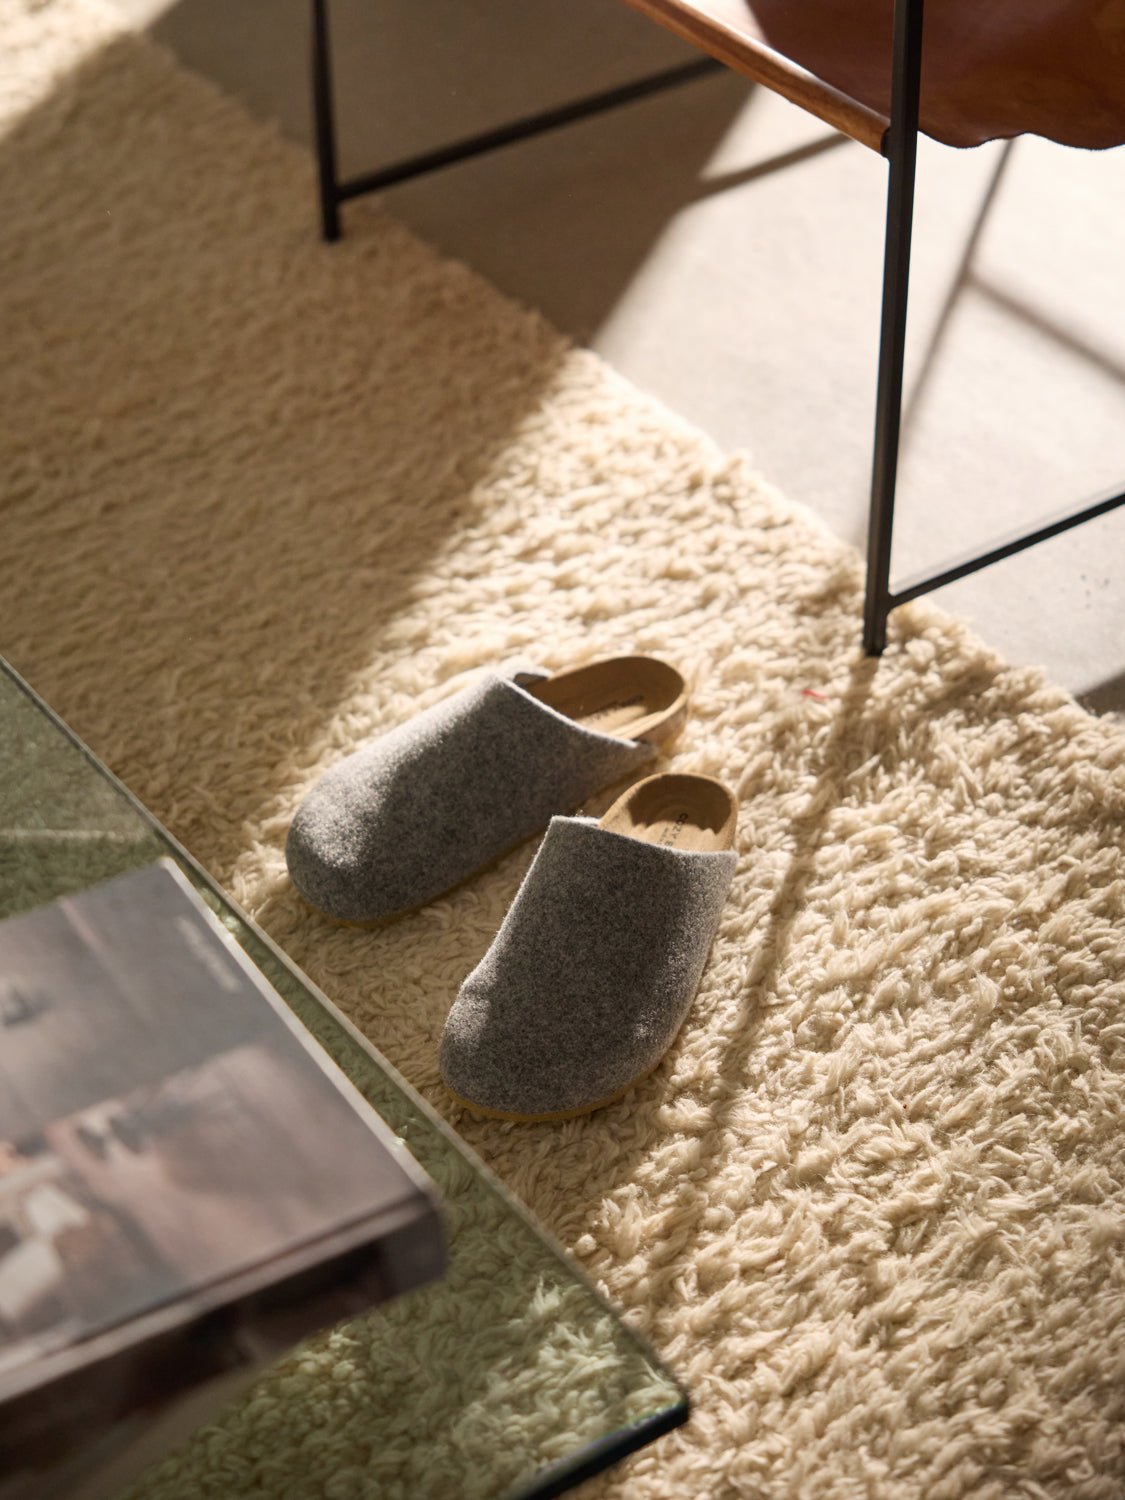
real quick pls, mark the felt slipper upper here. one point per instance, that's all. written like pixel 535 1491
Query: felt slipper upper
pixel 591 974
pixel 398 823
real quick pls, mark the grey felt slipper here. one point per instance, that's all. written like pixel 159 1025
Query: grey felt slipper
pixel 405 819
pixel 597 962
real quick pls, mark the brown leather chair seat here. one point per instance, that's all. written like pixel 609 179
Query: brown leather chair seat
pixel 990 68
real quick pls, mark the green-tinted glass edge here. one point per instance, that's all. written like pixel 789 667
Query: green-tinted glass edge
pixel 589 1459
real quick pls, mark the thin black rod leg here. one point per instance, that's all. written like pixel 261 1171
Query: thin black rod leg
pixel 324 121
pixel 902 151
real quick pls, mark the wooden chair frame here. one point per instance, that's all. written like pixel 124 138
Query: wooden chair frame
pixel 898 143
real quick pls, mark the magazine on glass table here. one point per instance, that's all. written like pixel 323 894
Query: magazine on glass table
pixel 188 1185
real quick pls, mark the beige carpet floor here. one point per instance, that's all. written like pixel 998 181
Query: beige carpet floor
pixel 263 499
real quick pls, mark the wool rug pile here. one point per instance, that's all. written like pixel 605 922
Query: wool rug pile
pixel 263 499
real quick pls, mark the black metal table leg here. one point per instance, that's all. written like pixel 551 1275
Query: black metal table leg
pixel 901 149
pixel 325 123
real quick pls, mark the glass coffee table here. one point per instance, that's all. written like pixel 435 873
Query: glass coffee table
pixel 508 1379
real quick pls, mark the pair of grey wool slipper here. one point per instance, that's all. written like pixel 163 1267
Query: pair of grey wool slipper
pixel 600 955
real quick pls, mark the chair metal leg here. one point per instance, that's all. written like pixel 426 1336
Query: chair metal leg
pixel 901 149
pixel 334 191
pixel 325 123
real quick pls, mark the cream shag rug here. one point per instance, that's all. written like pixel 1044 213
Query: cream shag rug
pixel 263 499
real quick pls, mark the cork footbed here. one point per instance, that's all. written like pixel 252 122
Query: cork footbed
pixel 676 811
pixel 631 697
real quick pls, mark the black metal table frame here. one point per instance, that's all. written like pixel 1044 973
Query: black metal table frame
pixel 899 146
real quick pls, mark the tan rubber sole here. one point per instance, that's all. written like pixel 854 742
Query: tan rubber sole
pixel 562 1114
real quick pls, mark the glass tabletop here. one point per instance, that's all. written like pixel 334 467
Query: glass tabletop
pixel 509 1379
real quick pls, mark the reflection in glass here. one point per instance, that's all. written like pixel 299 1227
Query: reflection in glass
pixel 507 1378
